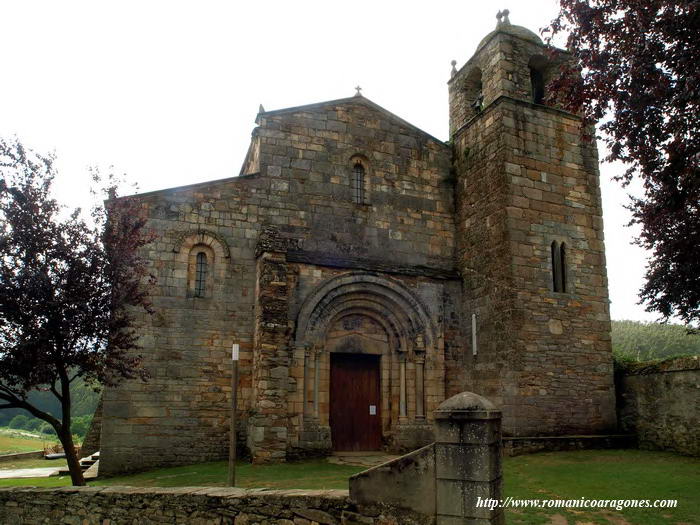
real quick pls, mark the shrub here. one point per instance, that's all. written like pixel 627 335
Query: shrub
pixel 46 429
pixel 80 425
pixel 33 424
pixel 19 421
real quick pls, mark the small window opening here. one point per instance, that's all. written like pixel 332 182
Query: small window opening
pixel 540 70
pixel 358 176
pixel 200 275
pixel 474 90
pixel 558 267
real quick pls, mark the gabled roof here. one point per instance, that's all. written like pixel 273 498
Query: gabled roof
pixel 354 100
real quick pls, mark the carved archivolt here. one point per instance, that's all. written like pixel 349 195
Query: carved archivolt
pixel 402 314
pixel 185 241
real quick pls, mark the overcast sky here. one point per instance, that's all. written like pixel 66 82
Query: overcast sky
pixel 167 91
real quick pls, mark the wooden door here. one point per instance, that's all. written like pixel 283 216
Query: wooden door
pixel 354 402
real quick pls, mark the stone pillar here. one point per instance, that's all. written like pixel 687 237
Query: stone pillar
pixel 268 426
pixel 467 461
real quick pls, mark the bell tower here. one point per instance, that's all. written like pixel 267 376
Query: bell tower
pixel 530 236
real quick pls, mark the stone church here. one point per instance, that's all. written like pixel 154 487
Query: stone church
pixel 369 271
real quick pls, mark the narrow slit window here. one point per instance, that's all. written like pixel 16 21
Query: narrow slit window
pixel 200 281
pixel 358 177
pixel 558 267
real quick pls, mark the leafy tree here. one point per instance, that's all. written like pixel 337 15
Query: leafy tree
pixel 80 425
pixel 33 423
pixel 640 77
pixel 19 421
pixel 69 292
pixel 46 429
pixel 649 341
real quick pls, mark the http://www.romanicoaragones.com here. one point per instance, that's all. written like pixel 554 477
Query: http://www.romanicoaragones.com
pixel 581 503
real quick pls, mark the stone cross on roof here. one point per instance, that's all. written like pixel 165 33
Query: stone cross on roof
pixel 358 89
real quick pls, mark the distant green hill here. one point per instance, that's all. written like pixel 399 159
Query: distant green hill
pixel 83 402
pixel 648 341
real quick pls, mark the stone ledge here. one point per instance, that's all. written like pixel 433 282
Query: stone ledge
pixel 516 446
pixel 21 455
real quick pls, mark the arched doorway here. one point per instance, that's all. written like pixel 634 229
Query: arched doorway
pixel 368 339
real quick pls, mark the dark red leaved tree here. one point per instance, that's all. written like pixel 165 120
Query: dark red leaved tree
pixel 69 291
pixel 639 76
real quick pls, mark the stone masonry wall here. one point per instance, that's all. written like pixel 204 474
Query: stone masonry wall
pixel 192 506
pixel 304 155
pixel 526 178
pixel 661 404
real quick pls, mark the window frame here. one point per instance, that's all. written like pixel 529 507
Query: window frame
pixel 359 185
pixel 200 274
pixel 196 288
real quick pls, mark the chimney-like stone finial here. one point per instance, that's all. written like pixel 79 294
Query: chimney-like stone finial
pixel 502 18
pixel 261 109
pixel 454 68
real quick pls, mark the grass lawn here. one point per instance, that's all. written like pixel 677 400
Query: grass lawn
pixel 604 474
pixel 13 441
pixel 316 474
pixel 595 474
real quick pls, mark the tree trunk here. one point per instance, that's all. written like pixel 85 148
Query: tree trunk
pixel 76 473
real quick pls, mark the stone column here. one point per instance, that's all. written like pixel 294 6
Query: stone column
pixel 467 461
pixel 402 387
pixel 307 376
pixel 317 383
pixel 420 387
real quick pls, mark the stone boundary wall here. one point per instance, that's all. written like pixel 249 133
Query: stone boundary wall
pixel 661 404
pixel 192 506
pixel 21 455
pixel 518 446
pixel 444 479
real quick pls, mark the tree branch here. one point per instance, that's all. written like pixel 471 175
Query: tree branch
pixel 21 403
pixel 55 392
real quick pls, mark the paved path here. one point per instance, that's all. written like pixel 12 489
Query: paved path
pixel 27 472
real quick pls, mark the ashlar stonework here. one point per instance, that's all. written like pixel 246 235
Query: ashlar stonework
pixel 350 232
